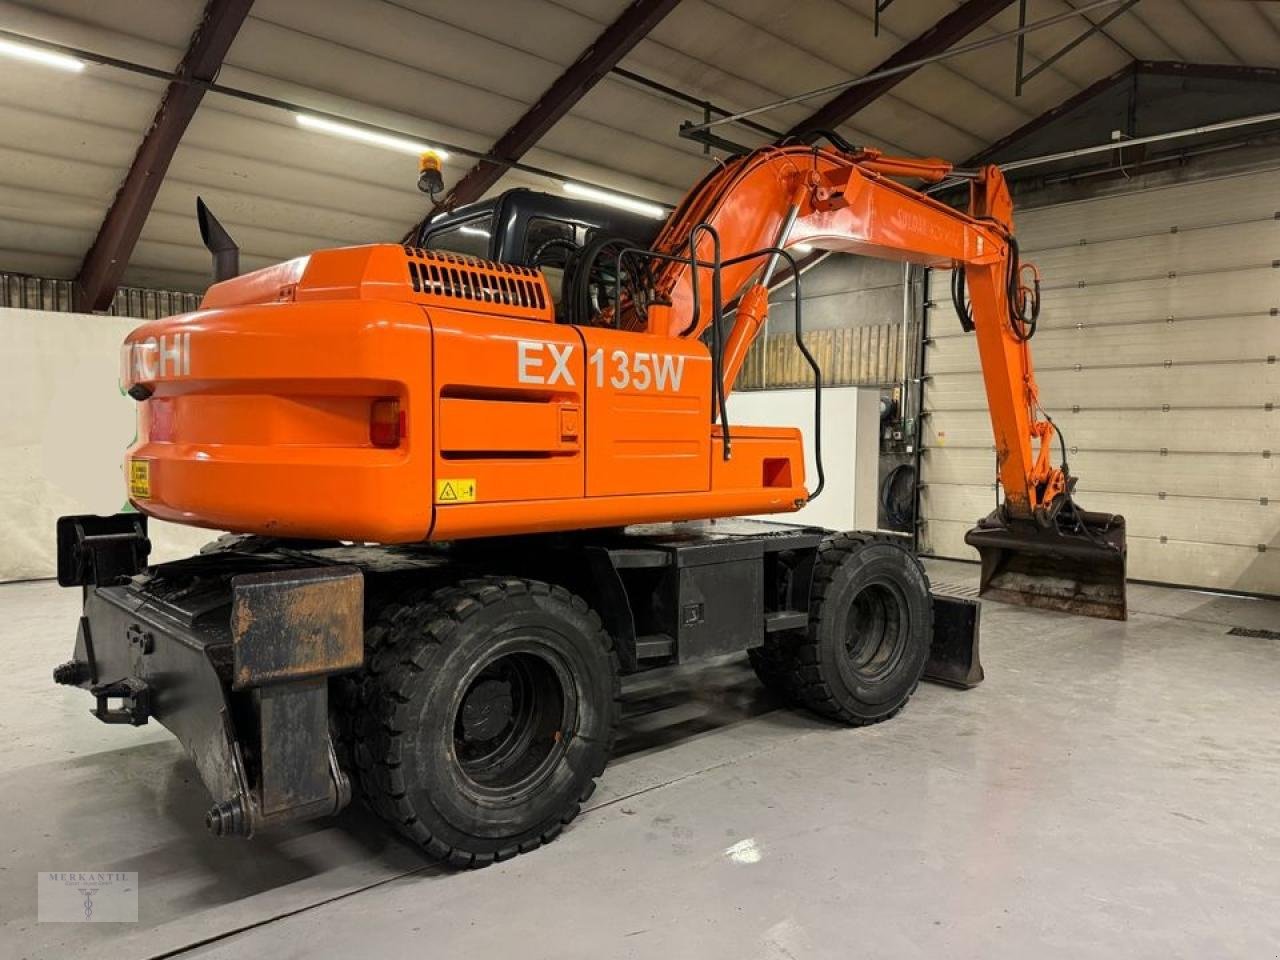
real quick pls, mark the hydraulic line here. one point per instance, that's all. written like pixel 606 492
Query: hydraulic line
pixel 1023 302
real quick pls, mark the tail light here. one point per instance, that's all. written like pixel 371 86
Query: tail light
pixel 386 423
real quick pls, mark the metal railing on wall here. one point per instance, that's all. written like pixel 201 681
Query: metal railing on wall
pixel 866 355
pixel 44 293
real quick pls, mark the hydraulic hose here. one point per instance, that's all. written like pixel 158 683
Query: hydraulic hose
pixel 1024 303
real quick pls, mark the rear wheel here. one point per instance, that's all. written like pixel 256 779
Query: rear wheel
pixel 484 717
pixel 870 628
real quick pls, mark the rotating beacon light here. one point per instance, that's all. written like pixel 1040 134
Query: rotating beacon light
pixel 430 174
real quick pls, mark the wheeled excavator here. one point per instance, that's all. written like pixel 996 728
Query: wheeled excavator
pixel 463 503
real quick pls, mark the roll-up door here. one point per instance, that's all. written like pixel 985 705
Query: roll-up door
pixel 1156 355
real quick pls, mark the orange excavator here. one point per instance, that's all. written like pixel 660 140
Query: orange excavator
pixel 466 494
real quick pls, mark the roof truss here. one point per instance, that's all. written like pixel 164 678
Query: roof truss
pixel 617 40
pixel 104 264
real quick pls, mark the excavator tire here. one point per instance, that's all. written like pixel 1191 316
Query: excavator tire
pixel 484 715
pixel 870 628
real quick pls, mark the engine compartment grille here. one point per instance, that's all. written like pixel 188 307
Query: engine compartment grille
pixel 511 290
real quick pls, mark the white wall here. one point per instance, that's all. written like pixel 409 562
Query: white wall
pixel 850 448
pixel 64 427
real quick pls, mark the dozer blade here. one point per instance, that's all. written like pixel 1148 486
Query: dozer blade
pixel 1077 565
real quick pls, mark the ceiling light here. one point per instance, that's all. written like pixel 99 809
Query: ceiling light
pixel 47 58
pixel 804 249
pixel 365 135
pixel 643 207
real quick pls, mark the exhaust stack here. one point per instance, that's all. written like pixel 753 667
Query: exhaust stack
pixel 226 253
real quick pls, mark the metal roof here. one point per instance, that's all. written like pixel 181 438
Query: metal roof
pixel 464 72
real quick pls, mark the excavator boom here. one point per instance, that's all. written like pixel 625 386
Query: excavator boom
pixel 1038 548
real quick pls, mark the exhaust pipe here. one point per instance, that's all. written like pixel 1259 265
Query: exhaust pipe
pixel 226 253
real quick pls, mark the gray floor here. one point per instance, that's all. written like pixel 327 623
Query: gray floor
pixel 1110 791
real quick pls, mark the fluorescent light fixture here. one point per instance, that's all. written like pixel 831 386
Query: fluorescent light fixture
pixel 47 58
pixel 365 135
pixel 642 207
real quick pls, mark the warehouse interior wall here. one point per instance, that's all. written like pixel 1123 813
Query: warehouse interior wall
pixel 63 440
pixel 1156 356
pixel 856 321
pixel 850 449
pixel 843 290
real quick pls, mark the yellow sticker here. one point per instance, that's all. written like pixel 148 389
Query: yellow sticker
pixel 456 491
pixel 140 479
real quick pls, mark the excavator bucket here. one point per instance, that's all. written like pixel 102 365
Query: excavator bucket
pixel 1076 565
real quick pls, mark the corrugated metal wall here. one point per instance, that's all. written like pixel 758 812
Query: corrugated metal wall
pixel 1156 356
pixel 866 355
pixel 852 312
pixel 26 292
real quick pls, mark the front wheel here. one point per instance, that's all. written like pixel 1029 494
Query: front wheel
pixel 485 716
pixel 870 629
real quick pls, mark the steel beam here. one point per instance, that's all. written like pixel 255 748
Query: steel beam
pixel 603 55
pixel 946 32
pixel 1209 71
pixel 276 103
pixel 1094 27
pixel 1171 68
pixel 880 7
pixel 1095 89
pixel 104 264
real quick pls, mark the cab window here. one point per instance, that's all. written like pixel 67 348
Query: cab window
pixel 547 244
pixel 541 230
pixel 470 238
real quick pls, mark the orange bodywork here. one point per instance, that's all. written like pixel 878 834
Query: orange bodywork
pixel 259 416
pixel 390 394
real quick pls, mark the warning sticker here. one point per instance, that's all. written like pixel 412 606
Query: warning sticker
pixel 140 479
pixel 456 491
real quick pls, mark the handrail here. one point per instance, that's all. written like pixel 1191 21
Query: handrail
pixel 717 334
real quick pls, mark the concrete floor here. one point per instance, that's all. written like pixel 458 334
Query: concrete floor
pixel 1110 791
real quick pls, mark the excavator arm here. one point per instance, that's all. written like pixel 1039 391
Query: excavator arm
pixel 1038 548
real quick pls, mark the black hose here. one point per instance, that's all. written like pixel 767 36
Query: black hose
pixel 1024 311
pixel 1062 440
pixel 797 300
pixel 585 270
pixel 963 310
pixel 1021 320
pixel 810 137
pixel 568 246
pixel 719 409
pixel 898 515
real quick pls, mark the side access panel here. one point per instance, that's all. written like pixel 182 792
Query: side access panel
pixel 509 411
pixel 714 598
pixel 648 413
pixel 706 588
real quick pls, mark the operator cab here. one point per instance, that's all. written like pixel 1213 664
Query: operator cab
pixel 532 229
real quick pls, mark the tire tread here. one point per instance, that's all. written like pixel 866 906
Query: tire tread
pixel 791 665
pixel 398 648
